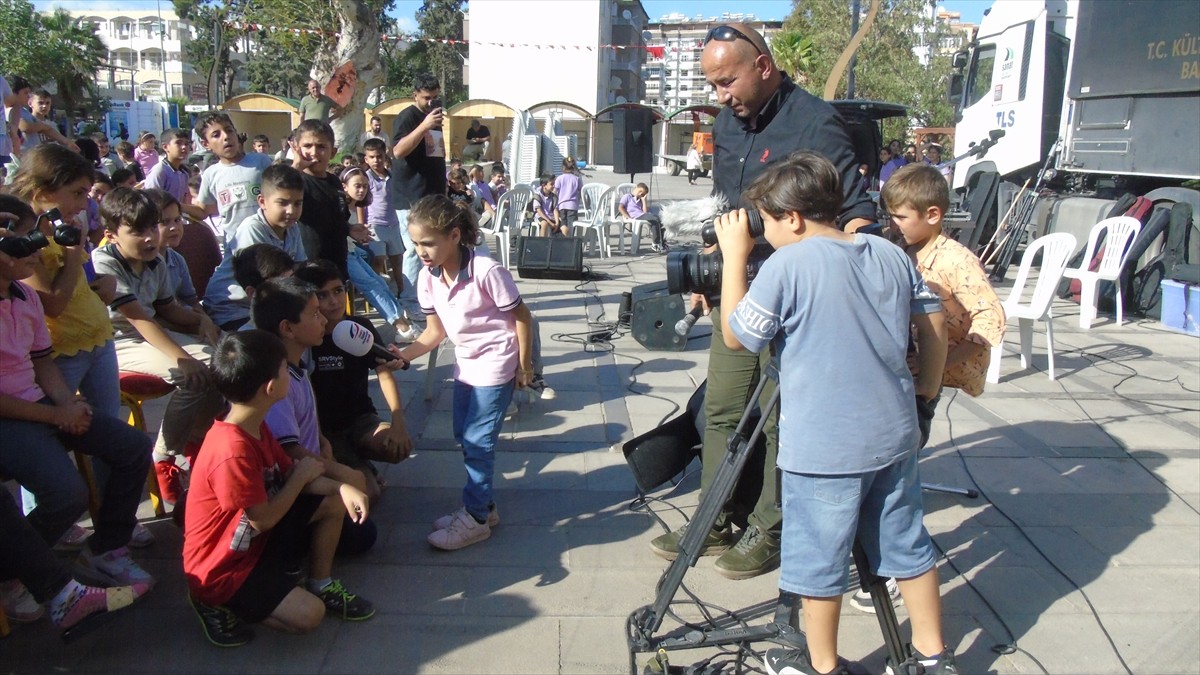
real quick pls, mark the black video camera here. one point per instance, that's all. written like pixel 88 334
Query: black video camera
pixel 695 272
pixel 34 241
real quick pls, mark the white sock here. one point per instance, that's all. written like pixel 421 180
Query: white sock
pixel 318 585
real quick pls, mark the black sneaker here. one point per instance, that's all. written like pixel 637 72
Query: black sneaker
pixel 344 604
pixel 221 626
pixel 667 545
pixel 782 661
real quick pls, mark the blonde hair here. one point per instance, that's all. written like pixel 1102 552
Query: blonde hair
pixel 917 186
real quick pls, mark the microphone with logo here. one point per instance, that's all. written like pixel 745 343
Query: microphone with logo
pixel 358 341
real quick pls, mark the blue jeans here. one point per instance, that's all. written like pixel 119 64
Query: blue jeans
pixel 478 416
pixel 35 455
pixel 94 374
pixel 411 267
pixel 371 285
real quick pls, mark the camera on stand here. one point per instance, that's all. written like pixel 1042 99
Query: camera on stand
pixel 696 272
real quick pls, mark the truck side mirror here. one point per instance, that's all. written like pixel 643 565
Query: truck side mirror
pixel 960 60
pixel 955 89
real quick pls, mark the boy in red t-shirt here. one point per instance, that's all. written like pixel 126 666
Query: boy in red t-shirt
pixel 252 510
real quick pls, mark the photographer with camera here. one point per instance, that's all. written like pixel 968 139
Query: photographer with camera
pixel 838 308
pixel 766 117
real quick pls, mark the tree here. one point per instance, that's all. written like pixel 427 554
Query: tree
pixel 210 51
pixel 442 20
pixel 24 50
pixel 887 69
pixel 794 54
pixel 76 51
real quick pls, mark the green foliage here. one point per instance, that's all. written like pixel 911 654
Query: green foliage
pixel 887 69
pixel 442 19
pixel 793 53
pixel 47 48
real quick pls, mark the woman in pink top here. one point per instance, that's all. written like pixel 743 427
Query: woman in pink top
pixel 473 300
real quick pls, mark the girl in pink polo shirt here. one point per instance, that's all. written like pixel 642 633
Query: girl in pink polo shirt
pixel 473 300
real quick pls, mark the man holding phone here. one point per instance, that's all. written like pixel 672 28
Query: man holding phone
pixel 419 170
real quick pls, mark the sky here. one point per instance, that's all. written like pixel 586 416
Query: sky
pixel 972 10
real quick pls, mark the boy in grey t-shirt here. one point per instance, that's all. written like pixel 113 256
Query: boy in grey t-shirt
pixel 838 308
pixel 145 296
pixel 230 187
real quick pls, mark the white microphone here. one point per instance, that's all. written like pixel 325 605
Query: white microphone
pixel 690 216
pixel 358 341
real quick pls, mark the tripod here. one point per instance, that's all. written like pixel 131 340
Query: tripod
pixel 644 622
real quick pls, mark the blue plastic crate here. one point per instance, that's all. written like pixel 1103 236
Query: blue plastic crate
pixel 1181 307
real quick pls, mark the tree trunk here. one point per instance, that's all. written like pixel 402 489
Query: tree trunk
pixel 357 43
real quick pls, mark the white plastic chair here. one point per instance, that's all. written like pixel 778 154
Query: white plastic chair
pixel 601 207
pixel 590 196
pixel 1056 249
pixel 1122 230
pixel 510 210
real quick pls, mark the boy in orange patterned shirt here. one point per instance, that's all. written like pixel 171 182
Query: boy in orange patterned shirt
pixel 917 197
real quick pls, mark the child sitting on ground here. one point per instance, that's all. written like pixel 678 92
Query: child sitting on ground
pixel 252 511
pixel 345 411
pixel 289 309
pixel 838 307
pixel 474 300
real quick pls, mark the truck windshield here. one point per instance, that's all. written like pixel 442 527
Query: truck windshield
pixel 980 83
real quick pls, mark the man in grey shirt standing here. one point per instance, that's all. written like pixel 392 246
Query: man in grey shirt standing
pixel 318 106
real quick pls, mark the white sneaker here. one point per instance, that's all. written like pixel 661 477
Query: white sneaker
pixel 19 604
pixel 142 536
pixel 114 567
pixel 73 539
pixel 442 523
pixel 544 391
pixel 462 532
pixel 407 336
pixel 862 599
pixel 512 409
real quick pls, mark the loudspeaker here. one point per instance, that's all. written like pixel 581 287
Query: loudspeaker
pixel 550 257
pixel 633 141
pixel 655 311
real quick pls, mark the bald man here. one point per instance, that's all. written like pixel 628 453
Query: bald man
pixel 765 118
pixel 317 106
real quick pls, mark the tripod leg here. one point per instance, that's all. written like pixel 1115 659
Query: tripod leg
pixel 969 493
pixel 884 611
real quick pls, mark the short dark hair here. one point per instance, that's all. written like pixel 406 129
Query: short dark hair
pixel 256 264
pixel 104 178
pixel 805 182
pixel 279 300
pixel 422 82
pixel 129 207
pixel 121 175
pixel 281 177
pixel 545 178
pixel 99 137
pixel 162 199
pixel 17 83
pixel 42 93
pixel 261 138
pixel 173 133
pixel 314 126
pixel 376 117
pixel 207 119
pixel 23 212
pixel 375 144
pixel 89 150
pixel 244 361
pixel 318 272
pixel 124 148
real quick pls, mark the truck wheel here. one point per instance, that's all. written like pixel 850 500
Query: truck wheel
pixel 673 168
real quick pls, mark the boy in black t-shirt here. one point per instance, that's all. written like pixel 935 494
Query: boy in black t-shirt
pixel 345 411
pixel 325 222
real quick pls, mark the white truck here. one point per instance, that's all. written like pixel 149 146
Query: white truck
pixel 1114 85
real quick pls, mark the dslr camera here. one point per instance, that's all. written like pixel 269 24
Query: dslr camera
pixel 34 241
pixel 696 272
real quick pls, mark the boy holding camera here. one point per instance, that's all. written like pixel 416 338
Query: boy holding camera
pixel 838 308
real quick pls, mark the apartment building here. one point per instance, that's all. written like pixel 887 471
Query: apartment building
pixel 672 75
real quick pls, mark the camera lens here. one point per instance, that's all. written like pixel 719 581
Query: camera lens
pixel 20 247
pixel 67 235
pixel 709 234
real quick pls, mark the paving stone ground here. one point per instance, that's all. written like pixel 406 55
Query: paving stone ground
pixel 1083 549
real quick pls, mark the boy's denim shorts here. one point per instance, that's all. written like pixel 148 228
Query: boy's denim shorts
pixel 823 514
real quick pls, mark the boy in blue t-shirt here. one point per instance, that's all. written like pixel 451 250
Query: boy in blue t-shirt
pixel 838 307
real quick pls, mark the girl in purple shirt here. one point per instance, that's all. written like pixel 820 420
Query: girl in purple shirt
pixel 473 300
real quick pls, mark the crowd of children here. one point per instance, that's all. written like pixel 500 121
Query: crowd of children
pixel 269 431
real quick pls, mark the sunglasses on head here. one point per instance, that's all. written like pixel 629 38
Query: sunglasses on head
pixel 729 34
